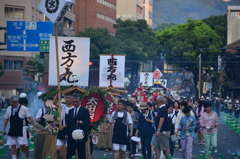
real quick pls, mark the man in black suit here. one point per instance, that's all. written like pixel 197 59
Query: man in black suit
pixel 78 118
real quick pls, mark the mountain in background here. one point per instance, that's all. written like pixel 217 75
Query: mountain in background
pixel 177 11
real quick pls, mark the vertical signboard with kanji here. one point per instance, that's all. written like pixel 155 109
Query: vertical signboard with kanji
pixel 163 82
pixel 146 78
pixel 112 68
pixel 73 58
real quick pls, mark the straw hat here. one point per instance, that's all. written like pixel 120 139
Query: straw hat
pixel 142 106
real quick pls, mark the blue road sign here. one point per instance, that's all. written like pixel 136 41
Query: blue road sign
pixel 26 35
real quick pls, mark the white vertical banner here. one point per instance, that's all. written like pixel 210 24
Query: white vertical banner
pixel 73 59
pixel 146 78
pixel 163 82
pixel 117 67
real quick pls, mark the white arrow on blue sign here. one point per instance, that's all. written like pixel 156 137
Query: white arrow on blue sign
pixel 26 35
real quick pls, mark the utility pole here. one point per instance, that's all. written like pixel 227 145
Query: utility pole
pixel 199 75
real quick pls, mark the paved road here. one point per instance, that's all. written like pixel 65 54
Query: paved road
pixel 228 143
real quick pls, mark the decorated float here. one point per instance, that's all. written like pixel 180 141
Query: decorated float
pixel 93 99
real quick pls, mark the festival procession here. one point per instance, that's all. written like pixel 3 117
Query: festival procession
pixel 94 80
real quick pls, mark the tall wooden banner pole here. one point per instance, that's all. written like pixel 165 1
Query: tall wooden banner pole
pixel 58 79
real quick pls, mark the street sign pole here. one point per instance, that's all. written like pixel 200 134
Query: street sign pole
pixel 58 79
pixel 56 13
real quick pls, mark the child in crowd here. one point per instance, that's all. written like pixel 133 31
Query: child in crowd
pixel 187 126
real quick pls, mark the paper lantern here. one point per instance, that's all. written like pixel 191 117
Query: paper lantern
pixel 78 134
pixel 94 103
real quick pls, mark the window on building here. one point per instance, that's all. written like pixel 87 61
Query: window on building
pixel 32 14
pixel 106 18
pixel 17 13
pixel 107 4
pixel 235 15
pixel 139 10
pixel 40 16
pixel 13 65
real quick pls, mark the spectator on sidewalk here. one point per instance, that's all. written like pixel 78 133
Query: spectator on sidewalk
pixel 209 123
pixel 187 125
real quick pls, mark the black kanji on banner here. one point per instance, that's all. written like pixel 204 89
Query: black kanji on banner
pixel 114 62
pixel 68 59
pixel 146 78
pixel 112 68
pixel 69 48
pixel 66 76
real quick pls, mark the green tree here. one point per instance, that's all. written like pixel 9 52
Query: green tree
pixel 219 25
pixel 32 69
pixel 181 44
pixel 164 25
pixel 138 41
pixel 1 68
pixel 101 41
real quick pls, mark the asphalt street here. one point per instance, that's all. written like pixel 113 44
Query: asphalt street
pixel 228 144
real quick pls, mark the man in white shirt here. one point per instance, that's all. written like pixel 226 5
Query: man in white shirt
pixel 61 141
pixel 43 111
pixel 16 114
pixel 121 120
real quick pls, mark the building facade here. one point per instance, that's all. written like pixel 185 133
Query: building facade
pixel 95 14
pixel 12 82
pixel 135 9
pixel 230 76
pixel 233 24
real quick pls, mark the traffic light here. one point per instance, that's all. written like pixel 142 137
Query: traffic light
pixel 90 63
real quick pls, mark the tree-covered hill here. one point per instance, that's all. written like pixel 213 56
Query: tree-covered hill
pixel 177 11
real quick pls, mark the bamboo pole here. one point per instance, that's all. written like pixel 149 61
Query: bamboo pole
pixel 58 79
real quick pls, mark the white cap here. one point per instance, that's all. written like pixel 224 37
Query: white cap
pixel 216 98
pixel 229 101
pixel 39 93
pixel 225 101
pixel 237 101
pixel 227 97
pixel 207 98
pixel 23 95
pixel 202 97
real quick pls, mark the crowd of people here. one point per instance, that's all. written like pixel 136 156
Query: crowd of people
pixel 161 124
